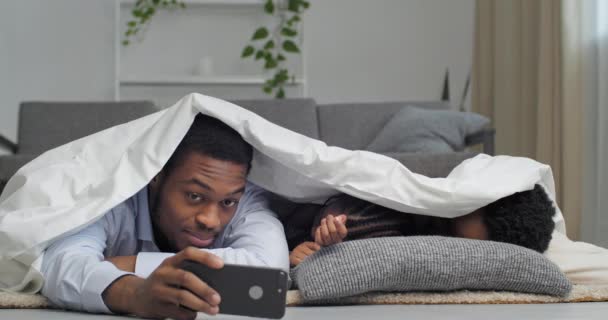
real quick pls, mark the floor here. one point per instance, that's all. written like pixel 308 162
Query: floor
pixel 588 311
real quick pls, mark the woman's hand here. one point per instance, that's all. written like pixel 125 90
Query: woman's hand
pixel 331 230
pixel 302 251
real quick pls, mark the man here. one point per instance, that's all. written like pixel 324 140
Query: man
pixel 199 207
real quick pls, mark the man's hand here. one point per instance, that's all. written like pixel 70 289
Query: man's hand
pixel 331 230
pixel 169 292
pixel 302 251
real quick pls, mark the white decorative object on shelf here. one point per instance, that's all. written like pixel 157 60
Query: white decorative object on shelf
pixel 205 67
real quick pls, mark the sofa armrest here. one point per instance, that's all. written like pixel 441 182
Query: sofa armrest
pixel 5 143
pixel 485 137
pixel 432 165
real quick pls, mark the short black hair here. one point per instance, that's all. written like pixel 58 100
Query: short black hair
pixel 211 137
pixel 524 219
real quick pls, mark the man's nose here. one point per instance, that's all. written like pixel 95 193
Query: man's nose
pixel 209 218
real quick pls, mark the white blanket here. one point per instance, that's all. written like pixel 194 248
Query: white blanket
pixel 70 187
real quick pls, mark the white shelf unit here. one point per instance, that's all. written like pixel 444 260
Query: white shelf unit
pixel 209 2
pixel 121 80
pixel 188 80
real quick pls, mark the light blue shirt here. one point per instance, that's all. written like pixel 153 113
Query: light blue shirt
pixel 76 274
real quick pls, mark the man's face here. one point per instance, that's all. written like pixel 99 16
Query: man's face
pixel 196 200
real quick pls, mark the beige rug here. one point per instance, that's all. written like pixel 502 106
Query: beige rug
pixel 580 293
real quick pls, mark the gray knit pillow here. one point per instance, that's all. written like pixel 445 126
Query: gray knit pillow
pixel 426 263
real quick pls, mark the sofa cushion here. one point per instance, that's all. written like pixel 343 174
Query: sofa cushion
pixel 436 165
pixel 354 125
pixel 415 129
pixel 426 263
pixel 11 163
pixel 299 115
pixel 46 125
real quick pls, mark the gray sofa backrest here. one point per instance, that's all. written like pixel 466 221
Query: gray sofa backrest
pixel 45 125
pixel 299 115
pixel 354 125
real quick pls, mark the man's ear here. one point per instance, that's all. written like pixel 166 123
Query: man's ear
pixel 157 180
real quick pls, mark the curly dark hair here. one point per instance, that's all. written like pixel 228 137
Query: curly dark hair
pixel 210 136
pixel 524 219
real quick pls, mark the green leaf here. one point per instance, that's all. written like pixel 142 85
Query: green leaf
pixel 269 7
pixel 132 24
pixel 280 57
pixel 183 5
pixel 280 93
pixel 259 55
pixel 136 13
pixel 269 45
pixel 260 33
pixel 249 50
pixel 270 63
pixel 156 2
pixel 125 42
pixel 267 89
pixel 289 32
pixel 305 4
pixel 290 46
pixel 293 5
pixel 282 75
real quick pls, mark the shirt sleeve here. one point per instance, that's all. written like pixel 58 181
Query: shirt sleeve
pixel 255 238
pixel 75 271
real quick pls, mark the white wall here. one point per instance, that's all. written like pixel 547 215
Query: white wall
pixel 363 50
pixel 356 50
pixel 54 50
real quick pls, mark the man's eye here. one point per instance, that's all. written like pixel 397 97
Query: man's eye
pixel 194 196
pixel 229 203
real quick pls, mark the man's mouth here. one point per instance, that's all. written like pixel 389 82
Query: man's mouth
pixel 198 240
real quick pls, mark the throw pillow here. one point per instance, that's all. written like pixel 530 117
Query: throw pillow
pixel 426 263
pixel 431 131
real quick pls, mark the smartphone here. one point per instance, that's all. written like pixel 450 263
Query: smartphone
pixel 245 290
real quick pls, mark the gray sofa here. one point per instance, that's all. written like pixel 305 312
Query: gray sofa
pixel 45 125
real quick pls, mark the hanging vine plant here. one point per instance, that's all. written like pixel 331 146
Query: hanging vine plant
pixel 143 11
pixel 273 47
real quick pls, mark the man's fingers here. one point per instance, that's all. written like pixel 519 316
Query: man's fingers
pixel 177 313
pixel 183 279
pixel 173 311
pixel 196 255
pixel 186 299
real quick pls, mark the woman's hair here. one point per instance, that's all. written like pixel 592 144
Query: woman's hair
pixel 524 219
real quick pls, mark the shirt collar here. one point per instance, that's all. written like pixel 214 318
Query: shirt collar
pixel 144 224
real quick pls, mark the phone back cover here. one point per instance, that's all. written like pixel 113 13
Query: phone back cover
pixel 246 290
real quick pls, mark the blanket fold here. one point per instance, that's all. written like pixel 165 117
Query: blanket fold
pixel 70 187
